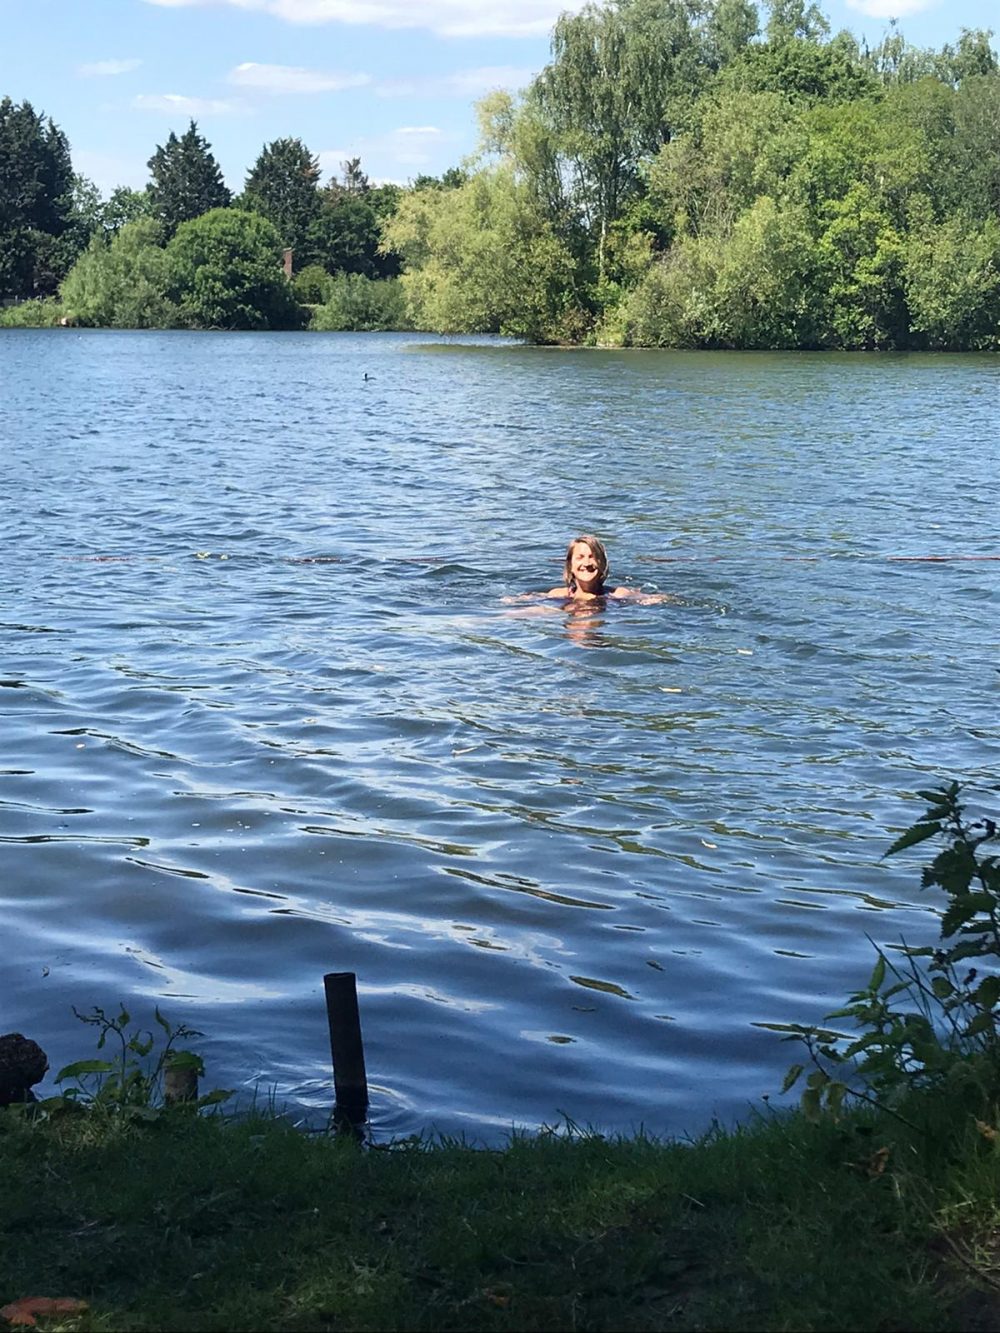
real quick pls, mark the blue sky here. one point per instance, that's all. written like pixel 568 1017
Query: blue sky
pixel 391 81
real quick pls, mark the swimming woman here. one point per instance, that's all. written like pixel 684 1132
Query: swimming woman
pixel 586 571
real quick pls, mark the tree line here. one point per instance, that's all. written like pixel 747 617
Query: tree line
pixel 677 175
pixel 184 251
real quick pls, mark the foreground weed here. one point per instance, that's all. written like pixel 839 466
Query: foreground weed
pixel 928 1021
pixel 136 1081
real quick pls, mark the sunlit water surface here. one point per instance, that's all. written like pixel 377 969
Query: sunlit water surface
pixel 264 713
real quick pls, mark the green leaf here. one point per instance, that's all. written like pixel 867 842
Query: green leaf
pixel 792 1077
pixel 988 992
pixel 185 1060
pixel 835 1097
pixel 968 949
pixel 85 1067
pixel 214 1097
pixel 810 1103
pixel 878 975
pixel 57 1105
pixel 918 833
pixel 981 1023
pixel 819 1078
pixel 942 987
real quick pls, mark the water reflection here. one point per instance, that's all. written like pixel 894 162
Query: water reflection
pixel 585 622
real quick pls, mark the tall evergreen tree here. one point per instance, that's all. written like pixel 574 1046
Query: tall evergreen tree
pixel 186 179
pixel 36 201
pixel 283 186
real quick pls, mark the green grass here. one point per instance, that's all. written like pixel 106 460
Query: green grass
pixel 212 1224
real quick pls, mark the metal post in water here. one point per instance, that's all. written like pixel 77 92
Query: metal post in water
pixel 347 1049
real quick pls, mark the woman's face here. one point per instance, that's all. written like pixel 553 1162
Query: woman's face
pixel 585 567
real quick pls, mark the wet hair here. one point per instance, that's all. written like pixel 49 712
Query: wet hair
pixel 596 550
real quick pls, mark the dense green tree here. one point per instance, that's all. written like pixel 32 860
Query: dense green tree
pixel 359 304
pixel 893 60
pixel 862 256
pixel 448 180
pixel 804 69
pixel 121 283
pixel 952 280
pixel 731 25
pixel 753 287
pixel 482 258
pixel 44 313
pixel 185 179
pixel 789 20
pixel 311 284
pixel 344 237
pixel 87 208
pixel 225 272
pixel 742 145
pixel 877 144
pixel 36 201
pixel 125 205
pixel 607 94
pixel 975 155
pixel 971 58
pixel 283 186
pixel 384 199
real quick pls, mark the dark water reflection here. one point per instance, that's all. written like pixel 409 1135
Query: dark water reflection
pixel 263 713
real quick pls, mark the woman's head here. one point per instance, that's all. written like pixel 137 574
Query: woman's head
pixel 585 553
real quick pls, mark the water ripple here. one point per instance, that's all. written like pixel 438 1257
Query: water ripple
pixel 265 714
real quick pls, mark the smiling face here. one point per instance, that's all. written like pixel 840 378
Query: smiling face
pixel 586 565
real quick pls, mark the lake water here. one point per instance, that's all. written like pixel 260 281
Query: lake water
pixel 264 714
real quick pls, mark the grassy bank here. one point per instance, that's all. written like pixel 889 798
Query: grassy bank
pixel 194 1223
pixel 884 1217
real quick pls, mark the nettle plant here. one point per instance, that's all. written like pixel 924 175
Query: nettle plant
pixel 141 1077
pixel 928 1018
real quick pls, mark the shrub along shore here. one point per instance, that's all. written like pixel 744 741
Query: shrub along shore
pixel 875 1205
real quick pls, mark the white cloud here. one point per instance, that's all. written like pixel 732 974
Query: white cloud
pixel 467 83
pixel 890 9
pixel 448 18
pixel 408 147
pixel 103 68
pixel 174 103
pixel 292 79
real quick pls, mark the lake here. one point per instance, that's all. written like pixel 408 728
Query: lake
pixel 264 713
